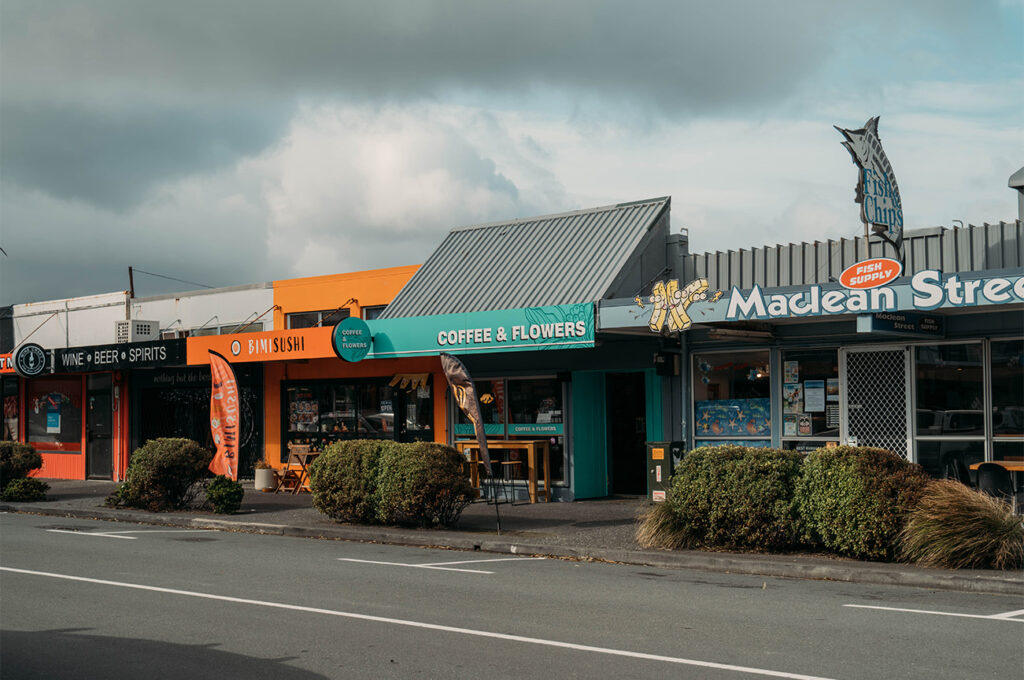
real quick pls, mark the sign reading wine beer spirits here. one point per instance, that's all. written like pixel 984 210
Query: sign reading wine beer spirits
pixel 877 193
pixel 119 356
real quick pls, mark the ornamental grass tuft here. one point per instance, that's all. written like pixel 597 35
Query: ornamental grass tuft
pixel 956 527
pixel 660 527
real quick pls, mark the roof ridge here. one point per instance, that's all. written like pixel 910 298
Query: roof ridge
pixel 569 213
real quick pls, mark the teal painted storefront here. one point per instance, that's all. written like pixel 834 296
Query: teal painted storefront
pixel 552 349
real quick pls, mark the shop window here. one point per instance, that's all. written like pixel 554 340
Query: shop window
pixel 732 398
pixel 950 390
pixel 54 413
pixel 535 410
pixel 491 394
pixel 1007 388
pixel 810 398
pixel 527 408
pixel 319 413
pixel 950 415
pixel 9 399
pixel 936 456
pixel 324 317
pixel 419 413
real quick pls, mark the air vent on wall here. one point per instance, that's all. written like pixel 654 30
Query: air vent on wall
pixel 136 330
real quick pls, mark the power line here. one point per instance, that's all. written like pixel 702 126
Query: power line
pixel 171 278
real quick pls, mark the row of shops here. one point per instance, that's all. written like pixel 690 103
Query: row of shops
pixel 594 331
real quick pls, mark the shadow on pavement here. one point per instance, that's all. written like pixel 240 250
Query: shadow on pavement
pixel 39 655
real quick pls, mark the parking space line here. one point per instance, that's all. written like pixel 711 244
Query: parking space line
pixel 992 617
pixel 414 566
pixel 498 559
pixel 120 534
pixel 432 626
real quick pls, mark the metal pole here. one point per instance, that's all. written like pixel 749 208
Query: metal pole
pixel 867 247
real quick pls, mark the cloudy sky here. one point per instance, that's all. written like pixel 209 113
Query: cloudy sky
pixel 224 142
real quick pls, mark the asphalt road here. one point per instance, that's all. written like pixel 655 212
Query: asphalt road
pixel 83 599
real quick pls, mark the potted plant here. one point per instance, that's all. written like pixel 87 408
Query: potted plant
pixel 264 476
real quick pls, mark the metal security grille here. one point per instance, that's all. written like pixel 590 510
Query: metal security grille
pixel 876 399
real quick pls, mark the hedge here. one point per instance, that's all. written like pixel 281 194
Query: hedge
pixel 374 481
pixel 855 500
pixel 164 474
pixel 736 497
pixel 16 461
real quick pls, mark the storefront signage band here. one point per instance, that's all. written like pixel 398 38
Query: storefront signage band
pixel 119 356
pixel 901 323
pixel 6 363
pixel 928 291
pixel 507 330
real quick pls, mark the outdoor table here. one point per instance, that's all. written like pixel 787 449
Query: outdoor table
pixel 530 446
pixel 303 458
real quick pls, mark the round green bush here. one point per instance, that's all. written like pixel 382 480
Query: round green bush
pixel 855 500
pixel 164 474
pixel 16 461
pixel 422 483
pixel 27 490
pixel 735 497
pixel 225 495
pixel 343 479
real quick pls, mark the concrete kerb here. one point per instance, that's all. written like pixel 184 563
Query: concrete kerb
pixel 996 583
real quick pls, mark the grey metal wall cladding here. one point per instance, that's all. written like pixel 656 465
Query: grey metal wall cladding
pixel 551 260
pixel 972 248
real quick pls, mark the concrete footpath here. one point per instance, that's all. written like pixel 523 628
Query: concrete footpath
pixel 601 530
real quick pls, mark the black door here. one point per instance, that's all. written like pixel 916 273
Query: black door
pixel 99 430
pixel 627 432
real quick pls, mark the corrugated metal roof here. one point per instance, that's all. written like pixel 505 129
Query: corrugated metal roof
pixel 550 260
pixel 972 248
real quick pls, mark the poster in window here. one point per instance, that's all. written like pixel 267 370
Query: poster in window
pixel 791 371
pixel 832 416
pixel 803 425
pixel 789 426
pixel 53 413
pixel 793 398
pixel 832 389
pixel 814 396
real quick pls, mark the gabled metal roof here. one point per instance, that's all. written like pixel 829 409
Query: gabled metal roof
pixel 550 260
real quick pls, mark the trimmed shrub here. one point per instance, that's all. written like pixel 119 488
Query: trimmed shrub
pixel 854 500
pixel 225 495
pixel 16 461
pixel 26 490
pixel 343 479
pixel 735 497
pixel 422 483
pixel 956 527
pixel 164 474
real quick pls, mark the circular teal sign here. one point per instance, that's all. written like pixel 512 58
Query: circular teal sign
pixel 352 339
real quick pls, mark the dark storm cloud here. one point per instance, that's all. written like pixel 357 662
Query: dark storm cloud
pixel 102 100
pixel 111 158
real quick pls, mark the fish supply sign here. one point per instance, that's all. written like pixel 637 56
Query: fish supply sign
pixel 870 273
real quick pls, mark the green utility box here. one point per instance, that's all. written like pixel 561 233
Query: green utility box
pixel 662 458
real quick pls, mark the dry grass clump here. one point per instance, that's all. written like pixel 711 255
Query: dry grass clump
pixel 959 528
pixel 660 527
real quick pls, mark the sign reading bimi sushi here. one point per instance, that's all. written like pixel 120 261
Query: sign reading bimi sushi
pixel 507 330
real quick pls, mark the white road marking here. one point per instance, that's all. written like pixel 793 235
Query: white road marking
pixel 1009 615
pixel 414 566
pixel 991 617
pixel 120 534
pixel 430 626
pixel 497 559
